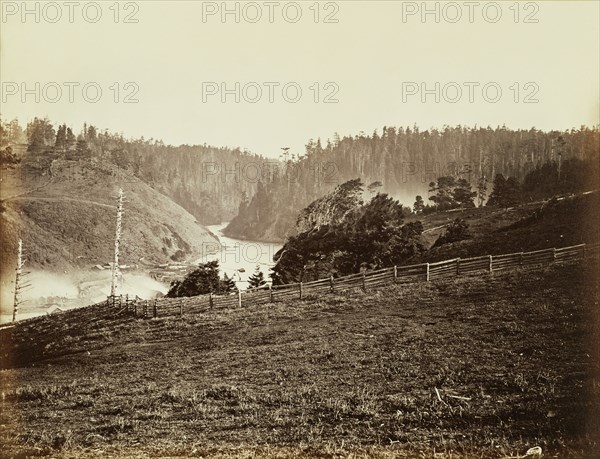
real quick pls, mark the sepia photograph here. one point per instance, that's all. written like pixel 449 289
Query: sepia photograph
pixel 304 229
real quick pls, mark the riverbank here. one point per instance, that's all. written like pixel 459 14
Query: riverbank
pixel 238 258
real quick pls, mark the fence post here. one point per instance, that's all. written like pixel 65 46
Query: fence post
pixel 491 266
pixel 331 283
pixel 521 259
pixel 457 266
pixel 180 308
pixel 300 289
pixel 554 255
pixel 121 300
pixel 239 298
pixel 364 282
pixel 210 300
pixel 427 265
pixel 154 310
pixel 395 274
pixel 270 293
pixel 135 308
pixel 127 302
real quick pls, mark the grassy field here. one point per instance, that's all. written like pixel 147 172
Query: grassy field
pixel 473 368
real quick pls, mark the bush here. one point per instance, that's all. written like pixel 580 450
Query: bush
pixel 456 231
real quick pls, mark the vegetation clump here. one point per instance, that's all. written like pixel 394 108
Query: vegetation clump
pixel 257 279
pixel 204 279
pixel 456 231
pixel 340 234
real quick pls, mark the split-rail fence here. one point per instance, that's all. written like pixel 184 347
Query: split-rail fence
pixel 423 272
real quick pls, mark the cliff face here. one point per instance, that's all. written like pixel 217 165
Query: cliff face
pixel 330 209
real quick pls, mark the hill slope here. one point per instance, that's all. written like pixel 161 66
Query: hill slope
pixel 509 356
pixel 554 223
pixel 67 219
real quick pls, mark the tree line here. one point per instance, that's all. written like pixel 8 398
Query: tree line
pixel 461 165
pixel 405 160
pixel 545 181
pixel 207 181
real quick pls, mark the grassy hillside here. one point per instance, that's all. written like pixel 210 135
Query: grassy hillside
pixel 555 223
pixel 67 219
pixel 514 359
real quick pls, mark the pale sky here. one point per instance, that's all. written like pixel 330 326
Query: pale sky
pixel 376 58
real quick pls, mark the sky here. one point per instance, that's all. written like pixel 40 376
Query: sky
pixel 172 70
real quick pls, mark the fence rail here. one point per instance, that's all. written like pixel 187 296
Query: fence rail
pixel 423 272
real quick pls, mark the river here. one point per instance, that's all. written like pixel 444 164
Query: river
pixel 238 259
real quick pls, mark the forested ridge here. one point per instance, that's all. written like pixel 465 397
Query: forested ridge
pixel 262 197
pixel 403 162
pixel 207 181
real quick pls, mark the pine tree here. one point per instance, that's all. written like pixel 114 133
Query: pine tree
pixel 82 148
pixel 11 133
pixel 70 139
pixel 243 204
pixel 257 279
pixel 4 134
pixel 462 194
pixel 419 205
pixel 506 192
pixel 40 134
pixel 61 137
pixel 227 285
pixel 91 133
pixel 443 189
pixel 481 190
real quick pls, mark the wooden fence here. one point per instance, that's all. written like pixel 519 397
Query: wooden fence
pixel 17 343
pixel 423 272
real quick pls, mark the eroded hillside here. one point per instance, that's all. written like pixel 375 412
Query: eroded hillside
pixel 66 218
